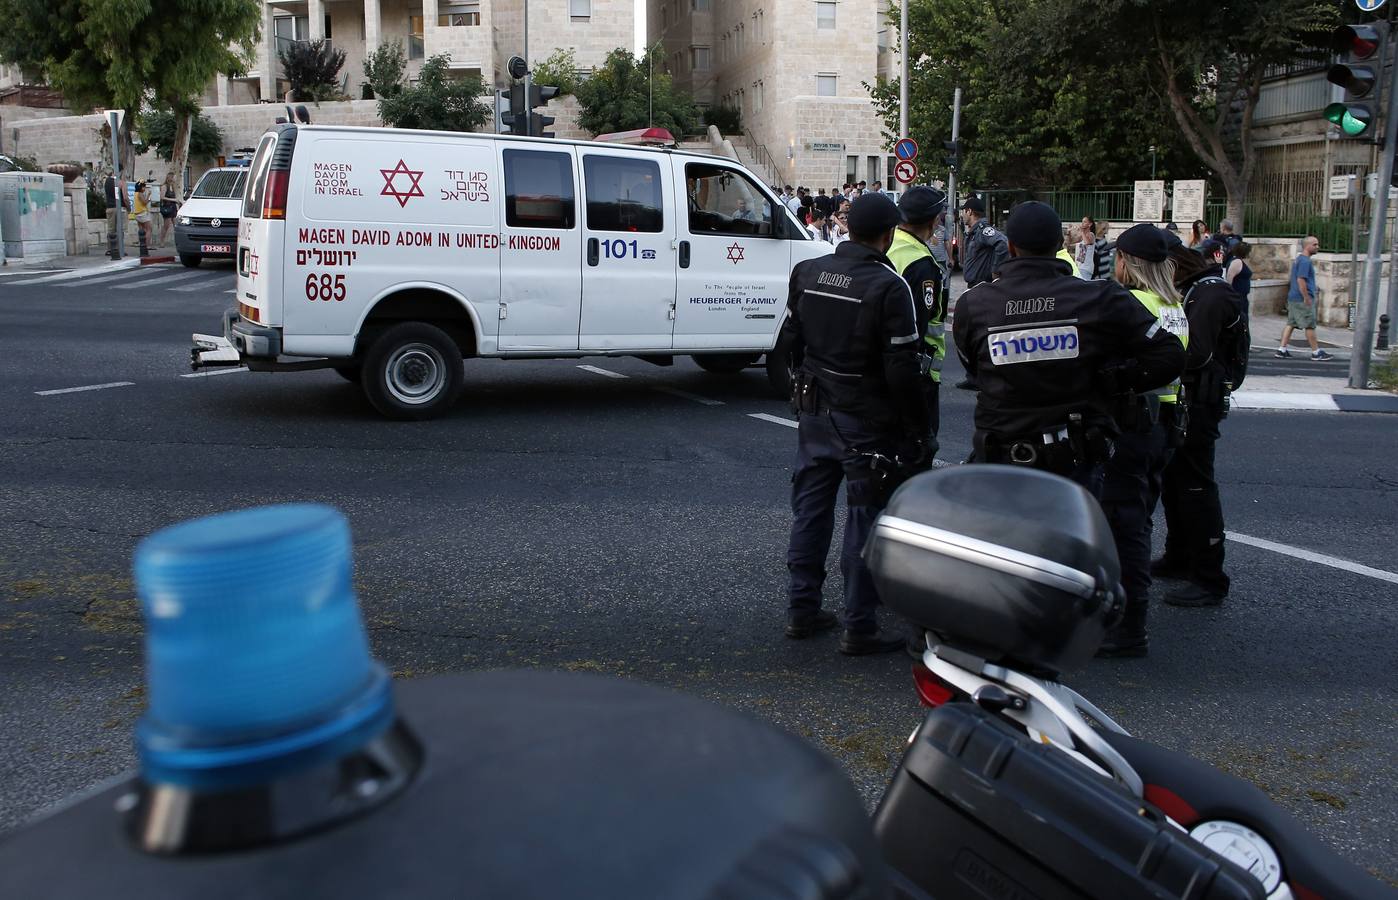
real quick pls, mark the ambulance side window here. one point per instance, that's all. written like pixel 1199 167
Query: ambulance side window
pixel 539 189
pixel 722 201
pixel 623 194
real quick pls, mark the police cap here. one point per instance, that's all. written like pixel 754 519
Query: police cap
pixel 922 203
pixel 872 214
pixel 1172 238
pixel 1035 227
pixel 975 205
pixel 1144 241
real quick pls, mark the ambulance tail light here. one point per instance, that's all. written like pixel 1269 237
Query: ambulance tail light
pixel 274 197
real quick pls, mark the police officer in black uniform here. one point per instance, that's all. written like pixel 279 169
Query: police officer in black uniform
pixel 1053 353
pixel 853 329
pixel 1217 362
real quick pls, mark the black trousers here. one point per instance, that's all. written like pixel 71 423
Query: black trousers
pixel 827 454
pixel 1193 513
pixel 1130 487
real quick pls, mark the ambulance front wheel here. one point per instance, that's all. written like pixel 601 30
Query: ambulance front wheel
pixel 413 371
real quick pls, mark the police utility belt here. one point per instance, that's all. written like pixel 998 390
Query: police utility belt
pixel 859 395
pixel 1060 449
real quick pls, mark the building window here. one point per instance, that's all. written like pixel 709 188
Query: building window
pixel 580 10
pixel 757 96
pixel 538 189
pixel 699 5
pixel 699 58
pixel 874 174
pixel 458 14
pixel 623 194
pixel 664 17
pixel 851 163
pixel 415 47
pixel 825 15
pixel 826 85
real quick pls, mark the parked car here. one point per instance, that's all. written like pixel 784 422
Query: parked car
pixel 207 226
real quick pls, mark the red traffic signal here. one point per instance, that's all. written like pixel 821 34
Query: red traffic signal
pixel 1359 41
pixel 1358 80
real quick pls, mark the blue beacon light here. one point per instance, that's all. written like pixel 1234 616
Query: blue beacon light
pixel 258 666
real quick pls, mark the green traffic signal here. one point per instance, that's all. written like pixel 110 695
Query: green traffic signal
pixel 1352 119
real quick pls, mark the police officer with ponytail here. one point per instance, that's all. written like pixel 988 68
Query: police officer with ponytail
pixel 1052 353
pixel 1218 352
pixel 858 390
pixel 1150 423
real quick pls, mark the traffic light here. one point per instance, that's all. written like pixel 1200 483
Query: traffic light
pixel 953 157
pixel 540 94
pixel 1361 51
pixel 502 112
pixel 515 118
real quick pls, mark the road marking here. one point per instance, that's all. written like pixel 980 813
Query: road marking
pixel 686 395
pixel 231 291
pixel 1333 562
pixel 596 371
pixel 212 372
pixel 789 423
pixel 71 274
pixel 198 286
pixel 164 279
pixel 86 387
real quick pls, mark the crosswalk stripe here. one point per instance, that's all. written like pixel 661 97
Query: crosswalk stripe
pixel 199 285
pixel 164 279
pixel 124 275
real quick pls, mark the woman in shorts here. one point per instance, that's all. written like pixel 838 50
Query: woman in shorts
pixel 169 206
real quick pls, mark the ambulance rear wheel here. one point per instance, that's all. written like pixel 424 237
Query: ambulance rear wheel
pixel 413 371
pixel 726 363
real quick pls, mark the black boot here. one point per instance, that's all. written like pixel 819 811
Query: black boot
pixel 1128 638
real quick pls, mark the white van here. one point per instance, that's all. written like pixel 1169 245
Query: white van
pixel 207 223
pixel 391 255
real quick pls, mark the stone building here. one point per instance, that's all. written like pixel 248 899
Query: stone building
pixel 795 70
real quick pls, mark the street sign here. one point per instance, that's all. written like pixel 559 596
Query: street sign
pixel 1369 5
pixel 1188 202
pixel 1371 184
pixel 905 149
pixel 1340 187
pixel 115 117
pixel 905 171
pixel 1148 201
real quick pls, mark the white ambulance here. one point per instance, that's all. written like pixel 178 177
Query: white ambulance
pixel 392 255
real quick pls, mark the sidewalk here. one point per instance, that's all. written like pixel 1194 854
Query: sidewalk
pixel 89 263
pixel 1267 328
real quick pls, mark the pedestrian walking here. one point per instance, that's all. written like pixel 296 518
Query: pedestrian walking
pixel 1217 365
pixel 852 328
pixel 986 248
pixel 923 208
pixel 1147 424
pixel 140 211
pixel 169 207
pixel 1052 352
pixel 1301 302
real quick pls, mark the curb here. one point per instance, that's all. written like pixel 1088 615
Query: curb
pixel 156 260
pixel 1377 402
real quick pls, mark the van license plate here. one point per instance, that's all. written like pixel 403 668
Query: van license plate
pixel 215 248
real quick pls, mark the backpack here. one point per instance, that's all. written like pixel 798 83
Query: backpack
pixel 1233 345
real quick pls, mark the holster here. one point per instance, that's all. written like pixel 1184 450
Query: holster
pixel 1135 413
pixel 805 393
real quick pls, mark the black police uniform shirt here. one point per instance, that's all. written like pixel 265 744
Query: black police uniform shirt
pixel 1037 339
pixel 851 323
pixel 986 251
pixel 1214 311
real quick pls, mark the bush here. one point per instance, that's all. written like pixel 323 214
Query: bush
pixel 313 68
pixel 156 130
pixel 440 101
pixel 726 119
pixel 560 70
pixel 96 204
pixel 383 71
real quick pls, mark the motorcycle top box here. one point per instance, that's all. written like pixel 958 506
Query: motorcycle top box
pixel 1011 564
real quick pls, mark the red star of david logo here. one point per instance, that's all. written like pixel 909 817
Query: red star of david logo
pixel 735 253
pixel 390 189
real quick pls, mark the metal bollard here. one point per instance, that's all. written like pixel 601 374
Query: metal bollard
pixel 1382 343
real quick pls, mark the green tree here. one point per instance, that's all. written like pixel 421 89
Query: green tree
pixel 313 70
pixel 626 93
pixel 130 53
pixel 384 69
pixel 439 101
pixel 157 128
pixel 1040 106
pixel 1208 60
pixel 559 69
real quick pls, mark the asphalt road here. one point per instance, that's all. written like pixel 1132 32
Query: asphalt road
pixel 568 519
